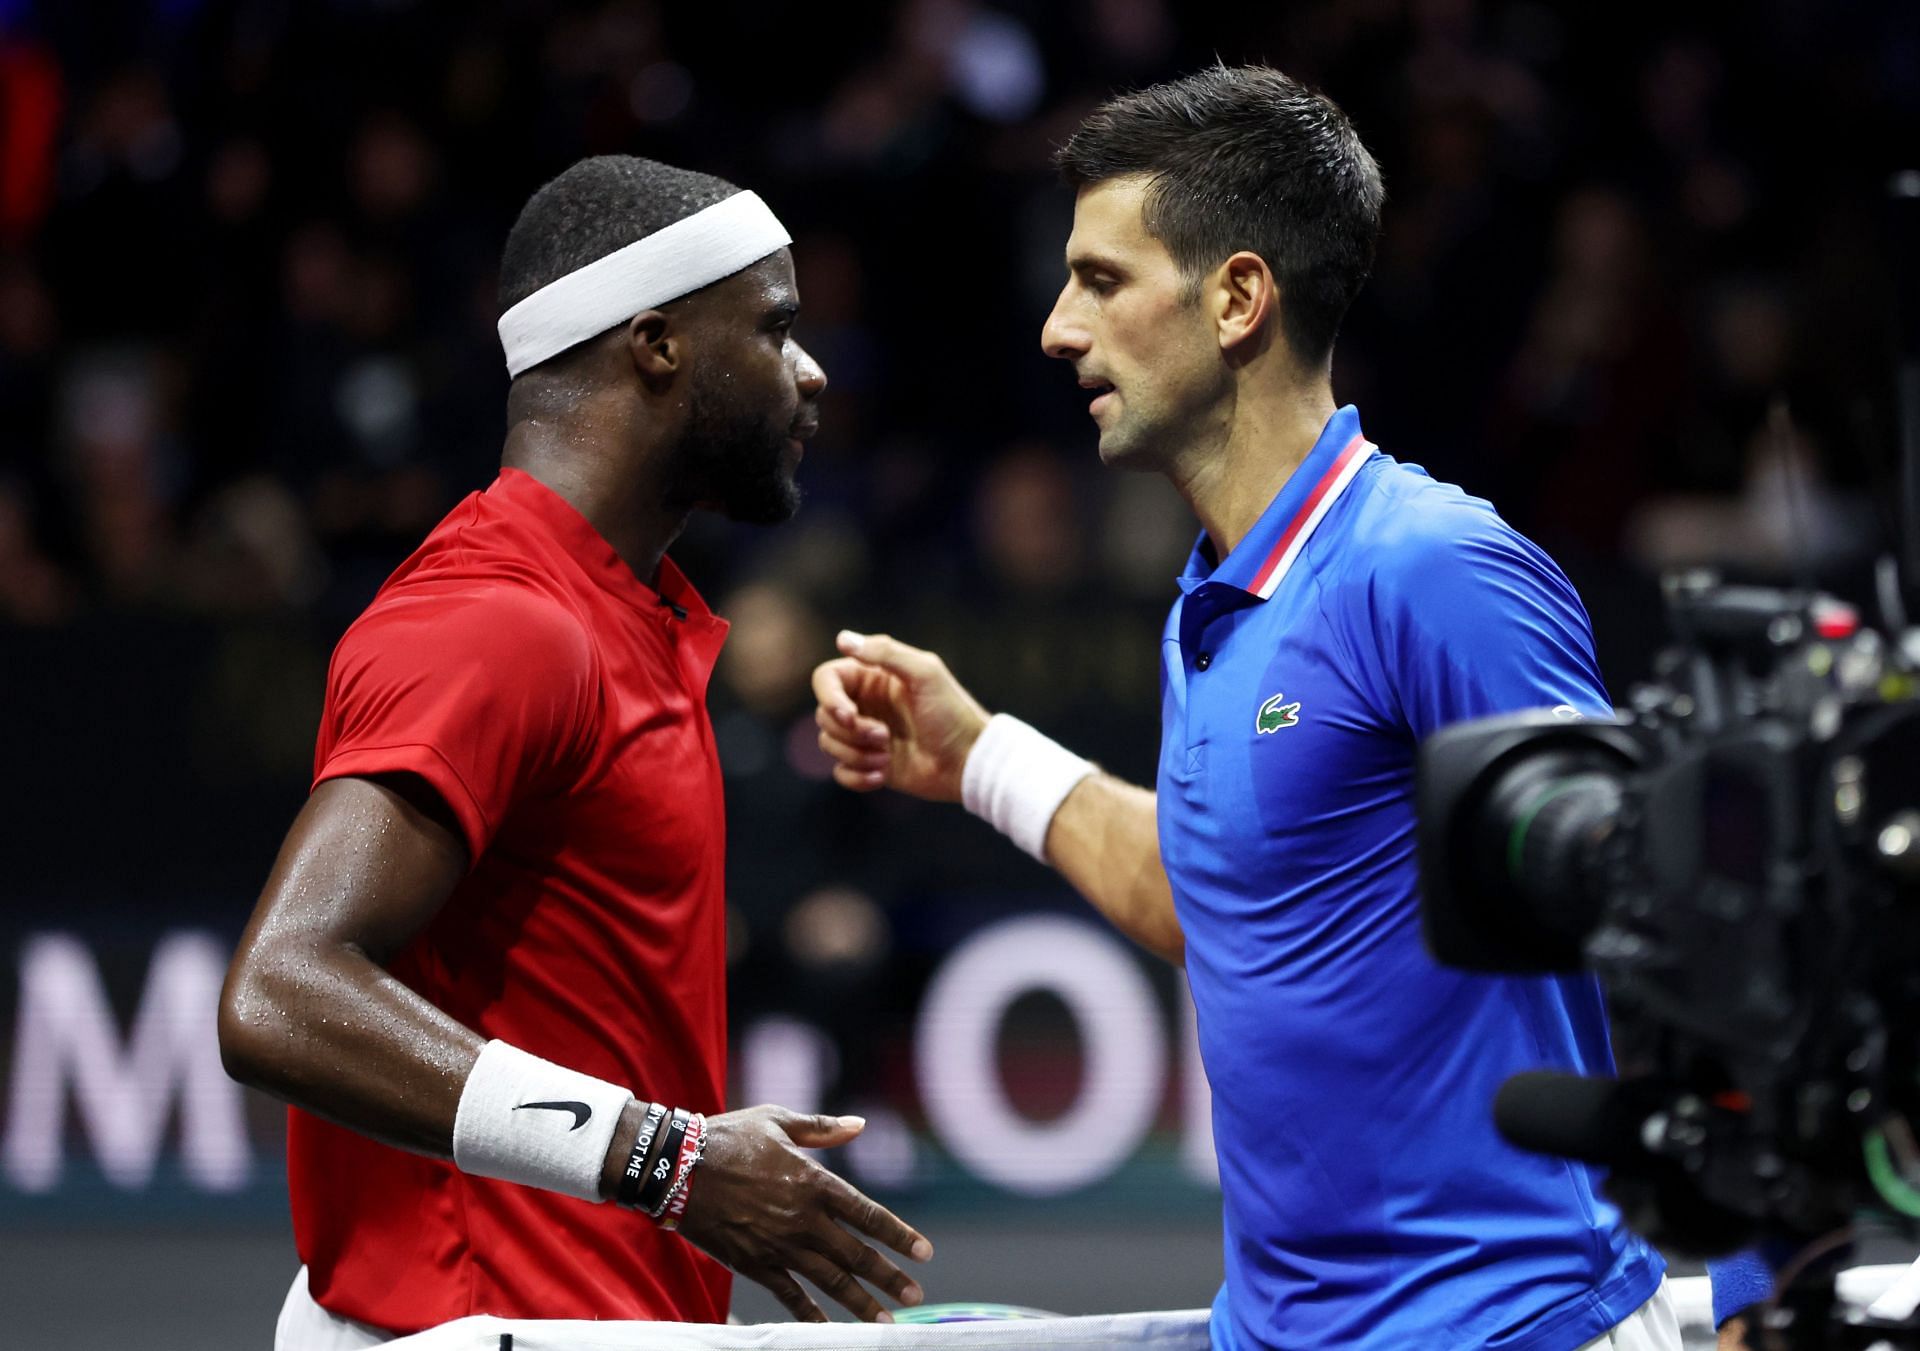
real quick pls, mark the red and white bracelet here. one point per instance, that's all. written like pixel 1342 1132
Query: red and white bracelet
pixel 693 1148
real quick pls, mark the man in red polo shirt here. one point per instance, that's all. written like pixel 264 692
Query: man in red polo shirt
pixel 488 967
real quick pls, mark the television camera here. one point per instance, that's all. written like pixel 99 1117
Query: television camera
pixel 1736 856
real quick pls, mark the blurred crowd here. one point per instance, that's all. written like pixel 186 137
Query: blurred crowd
pixel 1629 285
pixel 1631 288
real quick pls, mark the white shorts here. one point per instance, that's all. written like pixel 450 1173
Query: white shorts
pixel 305 1326
pixel 1654 1326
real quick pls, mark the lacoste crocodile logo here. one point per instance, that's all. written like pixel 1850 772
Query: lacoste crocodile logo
pixel 581 1112
pixel 1274 715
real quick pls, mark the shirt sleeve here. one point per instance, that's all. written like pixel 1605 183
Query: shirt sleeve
pixel 1739 1281
pixel 488 698
pixel 1476 620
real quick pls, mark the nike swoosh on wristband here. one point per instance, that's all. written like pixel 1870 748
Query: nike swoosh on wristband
pixel 581 1112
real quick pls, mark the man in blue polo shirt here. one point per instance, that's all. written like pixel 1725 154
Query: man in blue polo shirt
pixel 1338 607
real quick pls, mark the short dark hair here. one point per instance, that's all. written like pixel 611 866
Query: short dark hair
pixel 1244 157
pixel 597 206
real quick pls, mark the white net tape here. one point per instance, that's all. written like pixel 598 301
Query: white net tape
pixel 1177 1330
pixel 1182 1330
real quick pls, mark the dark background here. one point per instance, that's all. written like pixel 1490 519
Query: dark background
pixel 1634 288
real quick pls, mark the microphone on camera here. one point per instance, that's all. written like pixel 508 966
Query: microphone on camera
pixel 1601 1121
pixel 1619 1124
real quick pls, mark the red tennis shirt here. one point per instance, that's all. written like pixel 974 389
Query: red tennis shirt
pixel 558 704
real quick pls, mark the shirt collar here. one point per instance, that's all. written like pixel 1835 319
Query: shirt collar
pixel 1259 561
pixel 589 548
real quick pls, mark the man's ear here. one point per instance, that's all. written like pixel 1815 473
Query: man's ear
pixel 1246 303
pixel 656 349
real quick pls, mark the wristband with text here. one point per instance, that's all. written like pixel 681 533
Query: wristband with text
pixel 663 1168
pixel 628 1193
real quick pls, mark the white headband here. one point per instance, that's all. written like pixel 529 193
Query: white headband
pixel 669 263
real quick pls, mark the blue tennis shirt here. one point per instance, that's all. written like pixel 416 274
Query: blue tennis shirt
pixel 1368 1201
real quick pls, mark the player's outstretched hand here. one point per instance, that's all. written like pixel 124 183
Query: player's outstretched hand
pixel 772 1213
pixel 893 715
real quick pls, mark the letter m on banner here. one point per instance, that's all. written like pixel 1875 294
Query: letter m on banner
pixel 67 1044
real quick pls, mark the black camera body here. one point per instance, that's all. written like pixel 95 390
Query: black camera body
pixel 1737 857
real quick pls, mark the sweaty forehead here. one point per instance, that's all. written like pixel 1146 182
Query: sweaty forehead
pixel 770 281
pixel 750 292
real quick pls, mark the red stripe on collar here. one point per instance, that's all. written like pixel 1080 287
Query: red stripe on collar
pixel 1295 536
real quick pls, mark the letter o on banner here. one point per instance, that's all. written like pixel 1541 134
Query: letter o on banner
pixel 1125 1049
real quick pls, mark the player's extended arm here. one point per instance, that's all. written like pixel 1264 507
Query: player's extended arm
pixel 311 1014
pixel 894 716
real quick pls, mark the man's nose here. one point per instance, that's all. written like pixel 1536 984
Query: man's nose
pixel 808 374
pixel 1061 336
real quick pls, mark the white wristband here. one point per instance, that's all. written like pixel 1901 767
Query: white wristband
pixel 1016 778
pixel 527 1120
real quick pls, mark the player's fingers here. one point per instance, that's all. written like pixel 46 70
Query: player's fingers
pixel 787 1290
pixel 858 780
pixel 875 1220
pixel 838 1284
pixel 834 741
pixel 830 691
pixel 870 732
pixel 870 1266
pixel 838 687
pixel 889 654
pixel 820 1131
pixel 867 762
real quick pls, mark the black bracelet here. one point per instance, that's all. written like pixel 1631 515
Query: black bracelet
pixel 660 1171
pixel 628 1192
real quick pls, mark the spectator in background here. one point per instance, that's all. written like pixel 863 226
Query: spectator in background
pixel 32 590
pixel 1588 402
pixel 806 938
pixel 121 463
pixel 790 834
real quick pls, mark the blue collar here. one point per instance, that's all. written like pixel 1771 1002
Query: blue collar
pixel 1283 526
